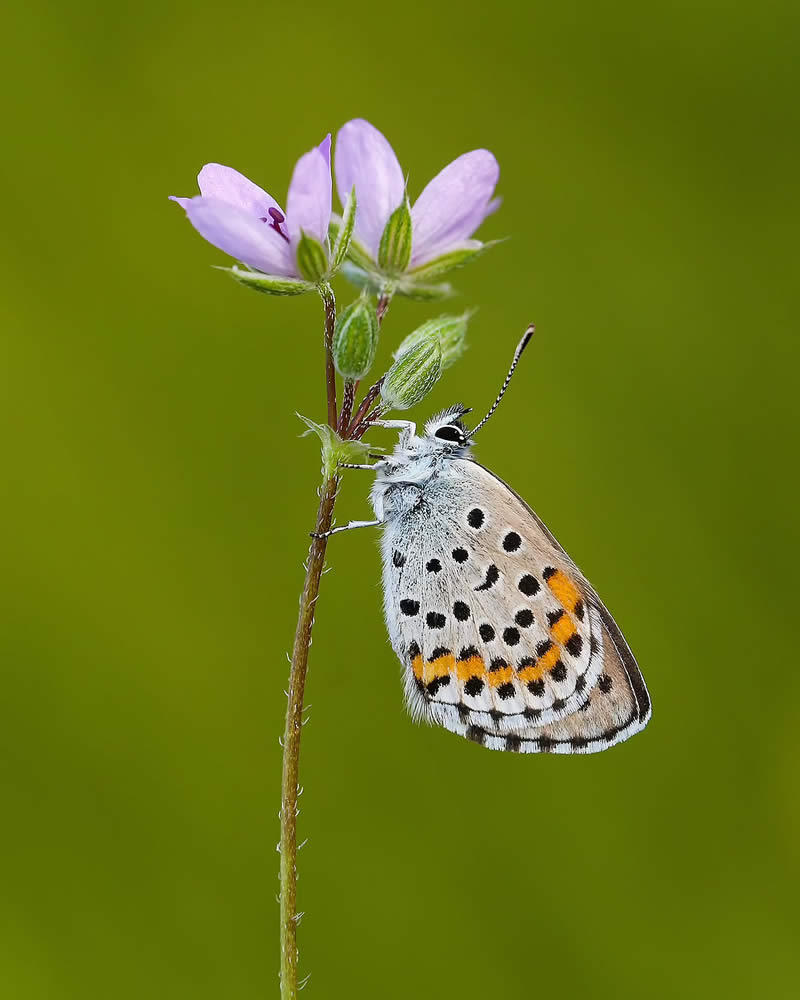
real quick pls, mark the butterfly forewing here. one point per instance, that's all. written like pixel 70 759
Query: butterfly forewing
pixel 493 622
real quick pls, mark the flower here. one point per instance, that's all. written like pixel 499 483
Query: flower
pixel 441 221
pixel 238 217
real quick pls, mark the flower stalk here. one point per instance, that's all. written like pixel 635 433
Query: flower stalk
pixel 291 741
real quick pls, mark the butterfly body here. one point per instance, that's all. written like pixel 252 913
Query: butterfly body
pixel 501 638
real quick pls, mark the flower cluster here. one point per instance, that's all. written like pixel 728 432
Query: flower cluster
pixel 381 242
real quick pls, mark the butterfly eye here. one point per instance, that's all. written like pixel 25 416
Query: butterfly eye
pixel 450 433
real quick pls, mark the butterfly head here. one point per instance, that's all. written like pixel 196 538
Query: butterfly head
pixel 446 431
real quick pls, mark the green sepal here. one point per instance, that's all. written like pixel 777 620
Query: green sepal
pixel 334 449
pixel 344 230
pixel 312 260
pixel 367 280
pixel 413 375
pixel 355 339
pixel 270 284
pixel 360 257
pixel 450 261
pixel 394 251
pixel 424 292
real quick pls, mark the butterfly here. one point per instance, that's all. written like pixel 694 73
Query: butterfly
pixel 501 637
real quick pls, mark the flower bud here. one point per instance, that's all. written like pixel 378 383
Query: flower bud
pixel 452 334
pixel 355 339
pixel 413 375
pixel 312 261
pixel 394 252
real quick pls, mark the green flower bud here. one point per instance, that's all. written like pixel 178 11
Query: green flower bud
pixel 452 334
pixel 355 339
pixel 394 251
pixel 413 375
pixel 312 261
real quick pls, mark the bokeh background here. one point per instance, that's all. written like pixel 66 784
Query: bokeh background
pixel 156 501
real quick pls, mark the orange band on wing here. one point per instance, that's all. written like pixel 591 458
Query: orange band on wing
pixel 549 659
pixel 471 667
pixel 531 673
pixel 564 589
pixel 439 667
pixel 563 630
pixel 501 676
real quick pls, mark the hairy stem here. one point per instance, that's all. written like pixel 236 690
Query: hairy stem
pixel 362 428
pixel 366 402
pixel 383 304
pixel 329 301
pixel 348 396
pixel 291 742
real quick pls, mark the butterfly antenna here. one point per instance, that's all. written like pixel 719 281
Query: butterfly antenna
pixel 517 355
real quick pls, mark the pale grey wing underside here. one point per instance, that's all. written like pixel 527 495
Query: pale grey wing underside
pixel 502 638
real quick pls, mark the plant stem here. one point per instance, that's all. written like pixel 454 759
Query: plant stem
pixel 383 304
pixel 291 742
pixel 329 301
pixel 348 396
pixel 362 428
pixel 366 402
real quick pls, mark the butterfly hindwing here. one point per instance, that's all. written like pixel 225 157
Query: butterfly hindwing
pixel 501 637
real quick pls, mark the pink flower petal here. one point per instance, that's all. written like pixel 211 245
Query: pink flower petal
pixel 365 159
pixel 241 235
pixel 308 206
pixel 453 205
pixel 228 185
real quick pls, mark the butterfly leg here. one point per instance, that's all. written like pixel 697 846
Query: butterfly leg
pixel 399 425
pixel 353 465
pixel 346 527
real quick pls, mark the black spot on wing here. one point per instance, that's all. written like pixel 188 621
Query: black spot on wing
pixel 473 687
pixel 574 645
pixel 461 611
pixel 475 518
pixel 492 576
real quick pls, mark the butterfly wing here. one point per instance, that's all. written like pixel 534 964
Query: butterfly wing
pixel 502 638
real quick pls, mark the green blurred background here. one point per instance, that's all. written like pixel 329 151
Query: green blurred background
pixel 156 501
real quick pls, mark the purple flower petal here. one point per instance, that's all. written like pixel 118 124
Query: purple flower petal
pixel 241 235
pixel 308 205
pixel 453 205
pixel 365 159
pixel 228 185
